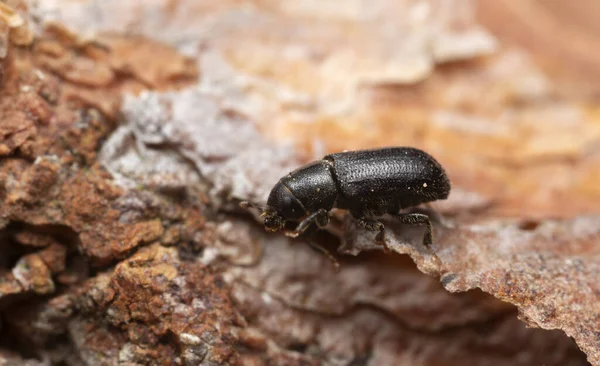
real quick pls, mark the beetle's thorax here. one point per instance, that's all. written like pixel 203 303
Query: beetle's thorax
pixel 305 190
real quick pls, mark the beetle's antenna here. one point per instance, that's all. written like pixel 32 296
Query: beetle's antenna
pixel 248 205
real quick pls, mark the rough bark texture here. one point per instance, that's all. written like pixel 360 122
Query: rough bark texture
pixel 129 132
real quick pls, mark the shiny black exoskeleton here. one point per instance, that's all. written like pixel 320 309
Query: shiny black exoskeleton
pixel 368 183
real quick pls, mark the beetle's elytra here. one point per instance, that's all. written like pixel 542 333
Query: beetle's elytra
pixel 367 183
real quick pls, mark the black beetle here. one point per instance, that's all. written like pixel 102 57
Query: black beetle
pixel 368 183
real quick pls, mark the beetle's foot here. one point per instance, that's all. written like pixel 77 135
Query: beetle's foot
pixel 380 240
pixel 418 219
pixel 373 225
pixel 428 239
pixel 386 248
pixel 334 262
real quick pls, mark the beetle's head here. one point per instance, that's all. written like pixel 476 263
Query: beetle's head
pixel 282 203
pixel 272 221
pixel 282 206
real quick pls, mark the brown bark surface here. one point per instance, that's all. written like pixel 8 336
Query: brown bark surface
pixel 130 131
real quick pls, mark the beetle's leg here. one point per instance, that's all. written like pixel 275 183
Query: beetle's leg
pixel 418 219
pixel 328 254
pixel 320 217
pixel 435 216
pixel 373 225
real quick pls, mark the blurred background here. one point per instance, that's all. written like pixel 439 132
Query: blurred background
pixel 502 92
